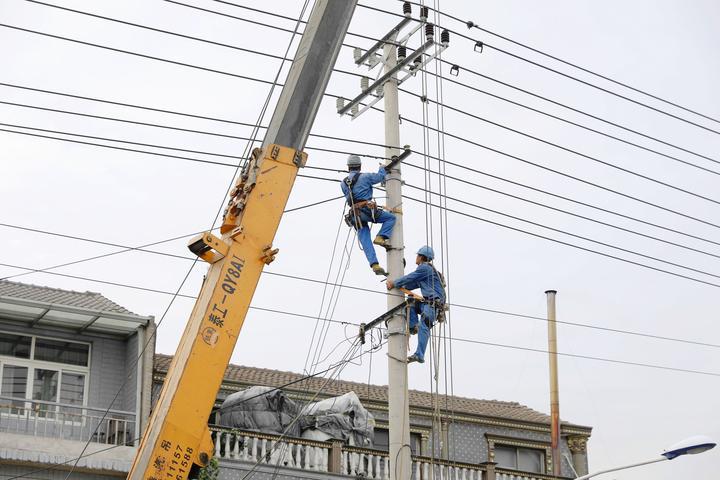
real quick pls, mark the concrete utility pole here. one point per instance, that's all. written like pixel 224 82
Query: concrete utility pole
pixel 398 403
pixel 397 59
pixel 554 389
pixel 177 438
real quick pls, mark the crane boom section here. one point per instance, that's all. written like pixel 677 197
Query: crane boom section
pixel 177 436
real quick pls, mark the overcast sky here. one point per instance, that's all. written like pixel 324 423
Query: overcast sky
pixel 663 47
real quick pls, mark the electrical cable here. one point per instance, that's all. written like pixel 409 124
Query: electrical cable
pixel 613 212
pixel 136 54
pixel 471 24
pixel 561 242
pixel 576 124
pixel 563 174
pixel 575 152
pixel 368 290
pixel 661 367
pixel 335 151
pixel 611 256
pixel 351 73
pixel 562 74
pixel 440 59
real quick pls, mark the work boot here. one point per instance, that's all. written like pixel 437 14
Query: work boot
pixel 378 270
pixel 382 241
pixel 414 358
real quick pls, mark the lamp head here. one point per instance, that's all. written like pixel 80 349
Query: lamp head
pixel 689 446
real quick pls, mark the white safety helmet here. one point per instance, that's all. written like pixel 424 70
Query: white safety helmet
pixel 354 161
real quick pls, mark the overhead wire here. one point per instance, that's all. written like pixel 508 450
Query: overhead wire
pixel 576 124
pixel 204 40
pixel 445 161
pixel 462 139
pixel 188 258
pixel 562 74
pixel 636 263
pixel 576 152
pixel 457 339
pixel 471 24
pixel 194 38
pixel 473 88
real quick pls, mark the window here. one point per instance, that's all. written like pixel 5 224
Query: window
pixel 46 371
pixel 382 440
pixel 519 458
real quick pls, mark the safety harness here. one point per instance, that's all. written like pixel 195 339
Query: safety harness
pixel 352 218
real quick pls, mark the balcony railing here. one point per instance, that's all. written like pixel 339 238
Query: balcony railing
pixel 68 422
pixel 333 457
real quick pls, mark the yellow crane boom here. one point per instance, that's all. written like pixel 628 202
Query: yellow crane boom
pixel 177 438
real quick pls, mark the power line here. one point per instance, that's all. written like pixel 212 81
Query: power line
pixel 471 24
pixel 233 122
pixel 561 241
pixel 564 232
pixel 211 162
pixel 451 135
pixel 562 74
pixel 480 118
pixel 583 155
pixel 136 54
pixel 167 32
pixel 517 218
pixel 567 212
pixel 519 132
pixel 558 172
pixel 513 347
pixel 565 243
pixel 295 277
pixel 572 109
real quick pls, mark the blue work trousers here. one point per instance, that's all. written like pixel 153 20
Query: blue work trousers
pixel 428 314
pixel 387 220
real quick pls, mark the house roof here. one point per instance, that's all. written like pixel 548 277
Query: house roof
pixel 512 411
pixel 89 300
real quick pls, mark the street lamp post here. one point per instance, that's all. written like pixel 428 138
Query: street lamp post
pixel 689 446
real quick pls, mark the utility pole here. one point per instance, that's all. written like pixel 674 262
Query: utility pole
pixel 554 389
pixel 398 403
pixel 177 439
pixel 396 60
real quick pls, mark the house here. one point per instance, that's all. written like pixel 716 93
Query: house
pixel 470 439
pixel 72 375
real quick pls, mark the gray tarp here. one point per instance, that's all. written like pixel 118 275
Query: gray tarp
pixel 269 410
pixel 263 409
pixel 341 418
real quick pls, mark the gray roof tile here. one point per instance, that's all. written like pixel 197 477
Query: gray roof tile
pixel 418 399
pixel 90 300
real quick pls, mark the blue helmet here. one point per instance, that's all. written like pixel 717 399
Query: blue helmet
pixel 426 252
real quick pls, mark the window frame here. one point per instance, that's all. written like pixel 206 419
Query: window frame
pixel 519 443
pixel 31 364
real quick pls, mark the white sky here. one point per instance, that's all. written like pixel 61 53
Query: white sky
pixel 664 47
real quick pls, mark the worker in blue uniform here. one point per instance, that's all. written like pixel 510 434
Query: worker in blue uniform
pixel 358 190
pixel 432 286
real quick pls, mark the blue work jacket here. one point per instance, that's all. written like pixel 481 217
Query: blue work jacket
pixel 426 279
pixel 362 190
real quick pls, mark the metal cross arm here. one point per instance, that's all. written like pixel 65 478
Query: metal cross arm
pixel 359 60
pixel 365 327
pixel 380 81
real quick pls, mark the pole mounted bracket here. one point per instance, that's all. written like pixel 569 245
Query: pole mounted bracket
pixel 269 254
pixel 209 247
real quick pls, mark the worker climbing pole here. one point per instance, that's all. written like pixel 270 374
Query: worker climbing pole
pixel 363 210
pixel 176 440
